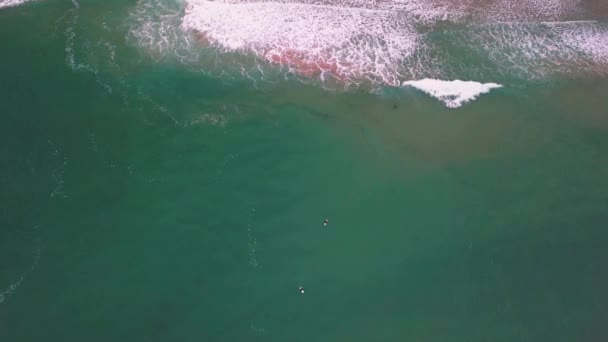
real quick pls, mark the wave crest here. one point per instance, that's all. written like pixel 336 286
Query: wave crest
pixel 452 93
pixel 12 3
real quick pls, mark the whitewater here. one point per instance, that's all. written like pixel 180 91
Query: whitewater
pixel 12 3
pixel 354 44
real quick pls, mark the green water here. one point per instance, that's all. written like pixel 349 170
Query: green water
pixel 181 207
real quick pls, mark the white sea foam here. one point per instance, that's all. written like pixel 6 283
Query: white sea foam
pixel 452 93
pixel 354 42
pixel 155 26
pixel 541 50
pixel 591 40
pixel 343 40
pixel 10 290
pixel 72 17
pixel 11 3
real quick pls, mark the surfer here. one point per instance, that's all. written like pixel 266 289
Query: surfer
pixel 325 222
pixel 301 290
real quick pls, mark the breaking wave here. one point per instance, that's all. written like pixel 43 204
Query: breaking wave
pixel 343 44
pixel 12 3
pixel 452 93
pixel 382 42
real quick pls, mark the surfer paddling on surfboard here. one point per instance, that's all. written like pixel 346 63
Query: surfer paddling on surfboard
pixel 325 222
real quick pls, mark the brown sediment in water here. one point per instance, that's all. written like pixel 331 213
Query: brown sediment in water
pixel 598 9
pixel 584 102
pixel 421 129
pixel 299 62
pixel 202 38
pixel 303 65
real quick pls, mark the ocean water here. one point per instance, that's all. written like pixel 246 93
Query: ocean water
pixel 166 167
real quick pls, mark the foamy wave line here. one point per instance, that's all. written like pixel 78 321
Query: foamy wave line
pixel 12 3
pixel 452 93
pixel 72 20
pixel 12 288
pixel 252 241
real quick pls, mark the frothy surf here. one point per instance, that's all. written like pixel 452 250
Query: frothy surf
pixel 314 40
pixel 452 93
pixel 12 3
pixel 355 43
pixel 382 42
pixel 539 50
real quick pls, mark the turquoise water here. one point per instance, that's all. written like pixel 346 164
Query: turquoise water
pixel 148 199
